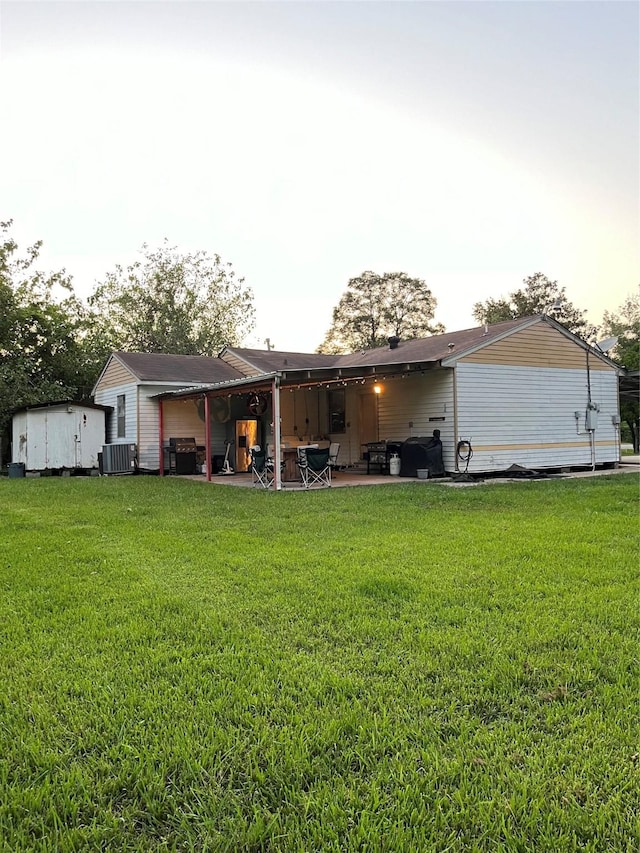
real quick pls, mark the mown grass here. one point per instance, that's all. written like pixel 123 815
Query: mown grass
pixel 410 668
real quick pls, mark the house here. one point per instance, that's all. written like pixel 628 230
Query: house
pixel 58 436
pixel 129 385
pixel 526 392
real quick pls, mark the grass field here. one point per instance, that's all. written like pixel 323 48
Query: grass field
pixel 410 668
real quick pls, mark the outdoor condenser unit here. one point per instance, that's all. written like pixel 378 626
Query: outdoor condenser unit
pixel 118 458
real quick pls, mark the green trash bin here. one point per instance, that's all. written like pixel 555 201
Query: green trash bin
pixel 16 469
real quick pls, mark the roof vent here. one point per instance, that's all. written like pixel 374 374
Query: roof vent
pixel 451 347
pixel 393 342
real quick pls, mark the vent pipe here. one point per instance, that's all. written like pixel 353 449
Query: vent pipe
pixel 393 342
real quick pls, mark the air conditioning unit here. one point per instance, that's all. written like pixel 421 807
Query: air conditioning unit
pixel 119 458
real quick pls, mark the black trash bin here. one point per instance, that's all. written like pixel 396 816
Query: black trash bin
pixel 16 470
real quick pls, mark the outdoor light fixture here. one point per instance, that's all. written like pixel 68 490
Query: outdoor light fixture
pixel 377 389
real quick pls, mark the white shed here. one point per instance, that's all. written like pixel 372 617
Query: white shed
pixel 54 436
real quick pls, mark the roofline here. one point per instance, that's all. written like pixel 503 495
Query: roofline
pixel 314 376
pixel 234 350
pixel 526 323
pixel 189 391
pixel 451 360
pixel 53 403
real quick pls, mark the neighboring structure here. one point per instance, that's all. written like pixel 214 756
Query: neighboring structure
pixel 58 436
pixel 525 392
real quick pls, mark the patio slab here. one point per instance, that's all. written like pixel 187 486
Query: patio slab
pixel 344 479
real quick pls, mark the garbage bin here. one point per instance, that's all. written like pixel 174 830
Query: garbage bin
pixel 16 469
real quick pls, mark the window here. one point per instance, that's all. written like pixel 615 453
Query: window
pixel 121 416
pixel 337 419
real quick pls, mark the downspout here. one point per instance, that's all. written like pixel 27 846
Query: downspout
pixel 161 437
pixel 592 435
pixel 207 438
pixel 277 451
pixel 455 418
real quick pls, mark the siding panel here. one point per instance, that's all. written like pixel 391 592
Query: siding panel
pixel 524 415
pixel 537 346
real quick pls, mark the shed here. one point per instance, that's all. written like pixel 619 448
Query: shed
pixel 62 435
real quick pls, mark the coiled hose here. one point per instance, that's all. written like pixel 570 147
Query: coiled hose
pixel 464 452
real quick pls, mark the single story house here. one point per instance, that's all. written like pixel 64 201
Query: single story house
pixel 526 392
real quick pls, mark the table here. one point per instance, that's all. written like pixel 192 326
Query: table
pixel 291 472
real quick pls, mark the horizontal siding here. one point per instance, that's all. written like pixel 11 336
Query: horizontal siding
pixel 407 404
pixel 537 346
pixel 114 375
pixel 107 396
pixel 525 416
pixel 403 402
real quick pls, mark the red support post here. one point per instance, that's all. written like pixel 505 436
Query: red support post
pixel 161 438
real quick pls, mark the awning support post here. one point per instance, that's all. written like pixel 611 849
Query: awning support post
pixel 161 437
pixel 277 452
pixel 207 438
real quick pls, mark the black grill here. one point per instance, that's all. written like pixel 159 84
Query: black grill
pixel 182 455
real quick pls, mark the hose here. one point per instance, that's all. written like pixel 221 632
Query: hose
pixel 464 452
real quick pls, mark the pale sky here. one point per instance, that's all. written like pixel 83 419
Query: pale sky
pixel 470 144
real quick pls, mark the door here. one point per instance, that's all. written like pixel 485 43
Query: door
pixel 246 437
pixel 368 420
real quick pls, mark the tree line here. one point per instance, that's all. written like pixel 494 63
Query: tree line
pixel 53 345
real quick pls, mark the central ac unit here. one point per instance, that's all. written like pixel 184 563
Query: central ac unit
pixel 119 458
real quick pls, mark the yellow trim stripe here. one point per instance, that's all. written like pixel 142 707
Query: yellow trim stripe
pixel 540 445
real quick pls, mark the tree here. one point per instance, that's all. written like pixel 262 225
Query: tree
pixel 376 307
pixel 538 295
pixel 625 325
pixel 42 356
pixel 188 304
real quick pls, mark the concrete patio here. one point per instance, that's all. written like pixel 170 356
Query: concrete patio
pixel 355 477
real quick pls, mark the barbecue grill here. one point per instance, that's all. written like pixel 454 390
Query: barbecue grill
pixel 182 455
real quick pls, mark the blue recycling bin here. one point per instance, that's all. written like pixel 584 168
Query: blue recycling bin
pixel 16 470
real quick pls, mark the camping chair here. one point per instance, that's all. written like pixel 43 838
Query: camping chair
pixel 261 468
pixel 314 467
pixel 334 449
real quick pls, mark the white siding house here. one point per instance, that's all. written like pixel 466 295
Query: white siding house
pixel 524 392
pixel 130 382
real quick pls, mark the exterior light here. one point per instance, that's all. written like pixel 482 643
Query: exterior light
pixel 377 389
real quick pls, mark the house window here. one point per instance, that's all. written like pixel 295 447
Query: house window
pixel 121 416
pixel 337 419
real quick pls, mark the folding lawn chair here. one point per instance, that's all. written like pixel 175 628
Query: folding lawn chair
pixel 261 468
pixel 315 468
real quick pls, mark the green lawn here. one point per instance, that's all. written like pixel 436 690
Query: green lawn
pixel 192 667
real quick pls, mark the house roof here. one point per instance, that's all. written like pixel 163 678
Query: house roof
pixel 264 365
pixel 434 348
pixel 162 367
pixel 270 361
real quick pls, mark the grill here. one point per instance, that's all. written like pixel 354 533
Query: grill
pixel 182 455
pixel 379 454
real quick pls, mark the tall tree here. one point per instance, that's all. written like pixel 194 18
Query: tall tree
pixel 538 295
pixel 188 304
pixel 42 356
pixel 625 325
pixel 376 307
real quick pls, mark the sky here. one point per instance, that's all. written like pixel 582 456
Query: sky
pixel 469 144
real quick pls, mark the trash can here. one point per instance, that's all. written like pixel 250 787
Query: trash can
pixel 16 469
